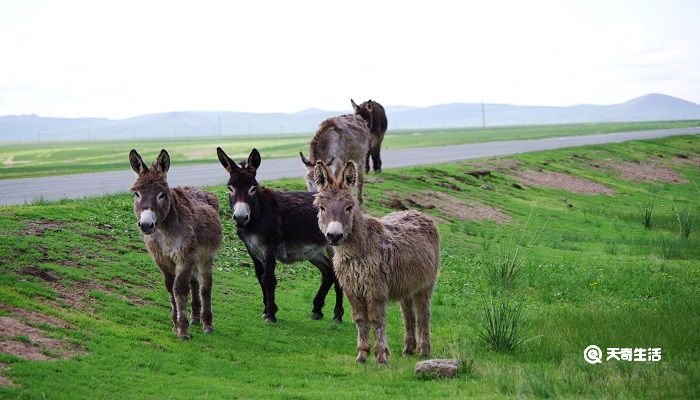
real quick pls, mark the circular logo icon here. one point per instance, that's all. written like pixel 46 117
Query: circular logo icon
pixel 593 354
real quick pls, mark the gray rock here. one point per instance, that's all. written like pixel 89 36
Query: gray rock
pixel 441 368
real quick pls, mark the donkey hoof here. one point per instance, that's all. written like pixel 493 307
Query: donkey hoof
pixel 316 315
pixel 337 320
pixel 408 352
pixel 195 321
pixel 185 338
pixel 270 319
pixel 208 329
pixel 361 357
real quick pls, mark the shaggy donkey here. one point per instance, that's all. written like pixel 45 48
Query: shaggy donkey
pixel 182 233
pixel 278 226
pixel 378 260
pixel 337 141
pixel 375 116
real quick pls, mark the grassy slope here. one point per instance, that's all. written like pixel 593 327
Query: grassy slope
pixel 577 290
pixel 76 157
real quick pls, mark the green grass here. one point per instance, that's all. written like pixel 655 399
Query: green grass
pixel 60 158
pixel 574 290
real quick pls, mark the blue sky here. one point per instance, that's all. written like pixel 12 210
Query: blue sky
pixel 124 58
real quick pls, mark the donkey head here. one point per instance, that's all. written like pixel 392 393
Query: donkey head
pixel 364 110
pixel 242 185
pixel 335 201
pixel 310 165
pixel 151 192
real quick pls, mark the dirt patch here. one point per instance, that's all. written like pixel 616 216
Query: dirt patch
pixel 684 159
pixel 642 172
pixel 37 228
pixel 45 274
pixel 557 180
pixel 448 205
pixel 22 340
pixel 374 179
pixel 496 164
pixel 35 317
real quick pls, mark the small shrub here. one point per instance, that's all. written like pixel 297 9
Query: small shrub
pixel 671 248
pixel 502 325
pixel 459 350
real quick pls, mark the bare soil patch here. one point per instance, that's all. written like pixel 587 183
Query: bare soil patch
pixel 39 227
pixel 557 180
pixel 35 317
pixel 22 340
pixel 684 159
pixel 642 172
pixel 45 274
pixel 448 205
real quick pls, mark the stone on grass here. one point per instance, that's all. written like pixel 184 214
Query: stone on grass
pixel 437 368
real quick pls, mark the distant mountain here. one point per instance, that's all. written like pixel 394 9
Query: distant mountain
pixel 651 107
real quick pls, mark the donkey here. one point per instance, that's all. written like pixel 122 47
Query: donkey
pixel 375 116
pixel 379 260
pixel 182 232
pixel 278 226
pixel 337 141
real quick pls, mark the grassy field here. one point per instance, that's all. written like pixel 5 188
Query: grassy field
pixel 42 159
pixel 587 271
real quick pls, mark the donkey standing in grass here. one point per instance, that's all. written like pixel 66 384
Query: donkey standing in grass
pixel 182 233
pixel 278 226
pixel 337 141
pixel 375 116
pixel 378 260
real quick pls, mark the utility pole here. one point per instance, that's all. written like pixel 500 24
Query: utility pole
pixel 483 114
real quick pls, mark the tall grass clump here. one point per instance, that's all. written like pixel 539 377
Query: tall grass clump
pixel 503 269
pixel 647 210
pixel 459 350
pixel 502 326
pixel 685 221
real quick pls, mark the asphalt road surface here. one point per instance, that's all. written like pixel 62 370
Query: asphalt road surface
pixel 28 190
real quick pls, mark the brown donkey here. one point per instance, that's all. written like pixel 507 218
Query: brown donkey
pixel 378 260
pixel 182 233
pixel 375 116
pixel 337 141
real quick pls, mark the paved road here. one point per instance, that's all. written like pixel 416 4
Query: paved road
pixel 27 190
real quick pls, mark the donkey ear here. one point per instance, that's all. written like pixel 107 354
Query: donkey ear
pixel 354 105
pixel 322 175
pixel 305 160
pixel 254 159
pixel 349 174
pixel 228 163
pixel 162 163
pixel 369 106
pixel 137 163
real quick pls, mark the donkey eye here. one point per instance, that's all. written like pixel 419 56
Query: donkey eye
pixel 252 189
pixel 348 208
pixel 323 209
pixel 161 195
pixel 137 194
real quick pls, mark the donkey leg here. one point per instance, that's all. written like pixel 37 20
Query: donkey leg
pixel 196 303
pixel 422 301
pixel 205 284
pixel 376 159
pixel 360 184
pixel 338 310
pixel 270 283
pixel 367 161
pixel 182 290
pixel 376 309
pixel 169 283
pixel 408 310
pixel 326 283
pixel 259 270
pixel 359 315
